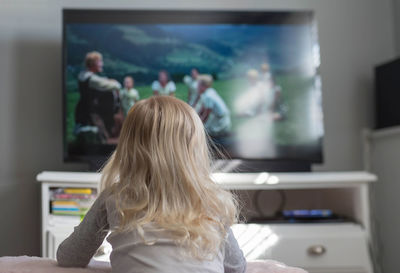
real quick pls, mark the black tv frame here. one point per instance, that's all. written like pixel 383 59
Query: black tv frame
pixel 115 16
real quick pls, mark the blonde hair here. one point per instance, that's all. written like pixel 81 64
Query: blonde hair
pixel 206 79
pixel 252 74
pixel 92 57
pixel 264 67
pixel 160 174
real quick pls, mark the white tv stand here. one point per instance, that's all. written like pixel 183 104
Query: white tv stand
pixel 322 248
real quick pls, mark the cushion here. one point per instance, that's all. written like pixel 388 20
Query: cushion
pixel 26 264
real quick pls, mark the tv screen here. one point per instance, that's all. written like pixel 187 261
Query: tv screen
pixel 253 78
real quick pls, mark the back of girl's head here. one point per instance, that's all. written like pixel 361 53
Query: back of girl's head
pixel 160 174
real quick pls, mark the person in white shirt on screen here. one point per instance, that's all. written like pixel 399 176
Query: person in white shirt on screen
pixel 163 86
pixel 129 95
pixel 268 79
pixel 253 99
pixel 211 108
pixel 255 107
pixel 265 72
pixel 259 98
pixel 192 84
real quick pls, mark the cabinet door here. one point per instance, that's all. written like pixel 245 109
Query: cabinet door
pixel 319 248
pixel 57 236
pixel 54 239
pixel 336 270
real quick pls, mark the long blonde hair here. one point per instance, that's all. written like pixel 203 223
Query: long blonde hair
pixel 160 174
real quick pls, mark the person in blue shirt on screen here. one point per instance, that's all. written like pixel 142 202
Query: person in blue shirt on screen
pixel 211 108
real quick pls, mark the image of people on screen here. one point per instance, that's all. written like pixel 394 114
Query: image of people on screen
pixel 253 86
pixel 96 114
pixel 254 107
pixel 261 96
pixel 192 83
pixel 163 86
pixel 279 107
pixel 128 94
pixel 212 109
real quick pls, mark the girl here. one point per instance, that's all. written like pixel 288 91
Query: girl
pixel 164 212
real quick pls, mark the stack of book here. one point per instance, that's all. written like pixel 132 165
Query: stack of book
pixel 71 201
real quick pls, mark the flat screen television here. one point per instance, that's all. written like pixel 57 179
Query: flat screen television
pixel 253 77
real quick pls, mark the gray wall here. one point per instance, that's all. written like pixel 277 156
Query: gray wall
pixel 396 15
pixel 385 158
pixel 354 36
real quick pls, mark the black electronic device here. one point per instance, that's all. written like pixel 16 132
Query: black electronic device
pixel 387 94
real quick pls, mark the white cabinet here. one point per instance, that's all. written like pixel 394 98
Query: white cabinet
pixel 314 247
pixel 54 238
pixel 319 248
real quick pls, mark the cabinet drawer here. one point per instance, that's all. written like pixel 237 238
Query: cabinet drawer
pixel 336 270
pixel 316 247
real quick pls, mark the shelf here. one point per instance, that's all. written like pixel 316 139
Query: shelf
pixel 69 177
pixel 243 181
pixel 260 181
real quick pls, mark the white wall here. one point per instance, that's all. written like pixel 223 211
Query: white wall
pixel 354 36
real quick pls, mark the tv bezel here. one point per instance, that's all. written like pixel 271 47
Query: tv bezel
pixel 150 16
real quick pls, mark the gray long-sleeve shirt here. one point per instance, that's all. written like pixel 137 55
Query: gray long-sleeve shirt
pixel 130 254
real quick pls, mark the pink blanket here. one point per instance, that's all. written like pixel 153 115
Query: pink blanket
pixel 25 264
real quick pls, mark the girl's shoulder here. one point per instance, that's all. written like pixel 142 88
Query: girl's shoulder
pixel 106 196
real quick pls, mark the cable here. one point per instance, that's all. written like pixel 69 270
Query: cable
pixel 278 211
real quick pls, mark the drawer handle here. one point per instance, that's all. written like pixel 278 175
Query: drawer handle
pixel 316 250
